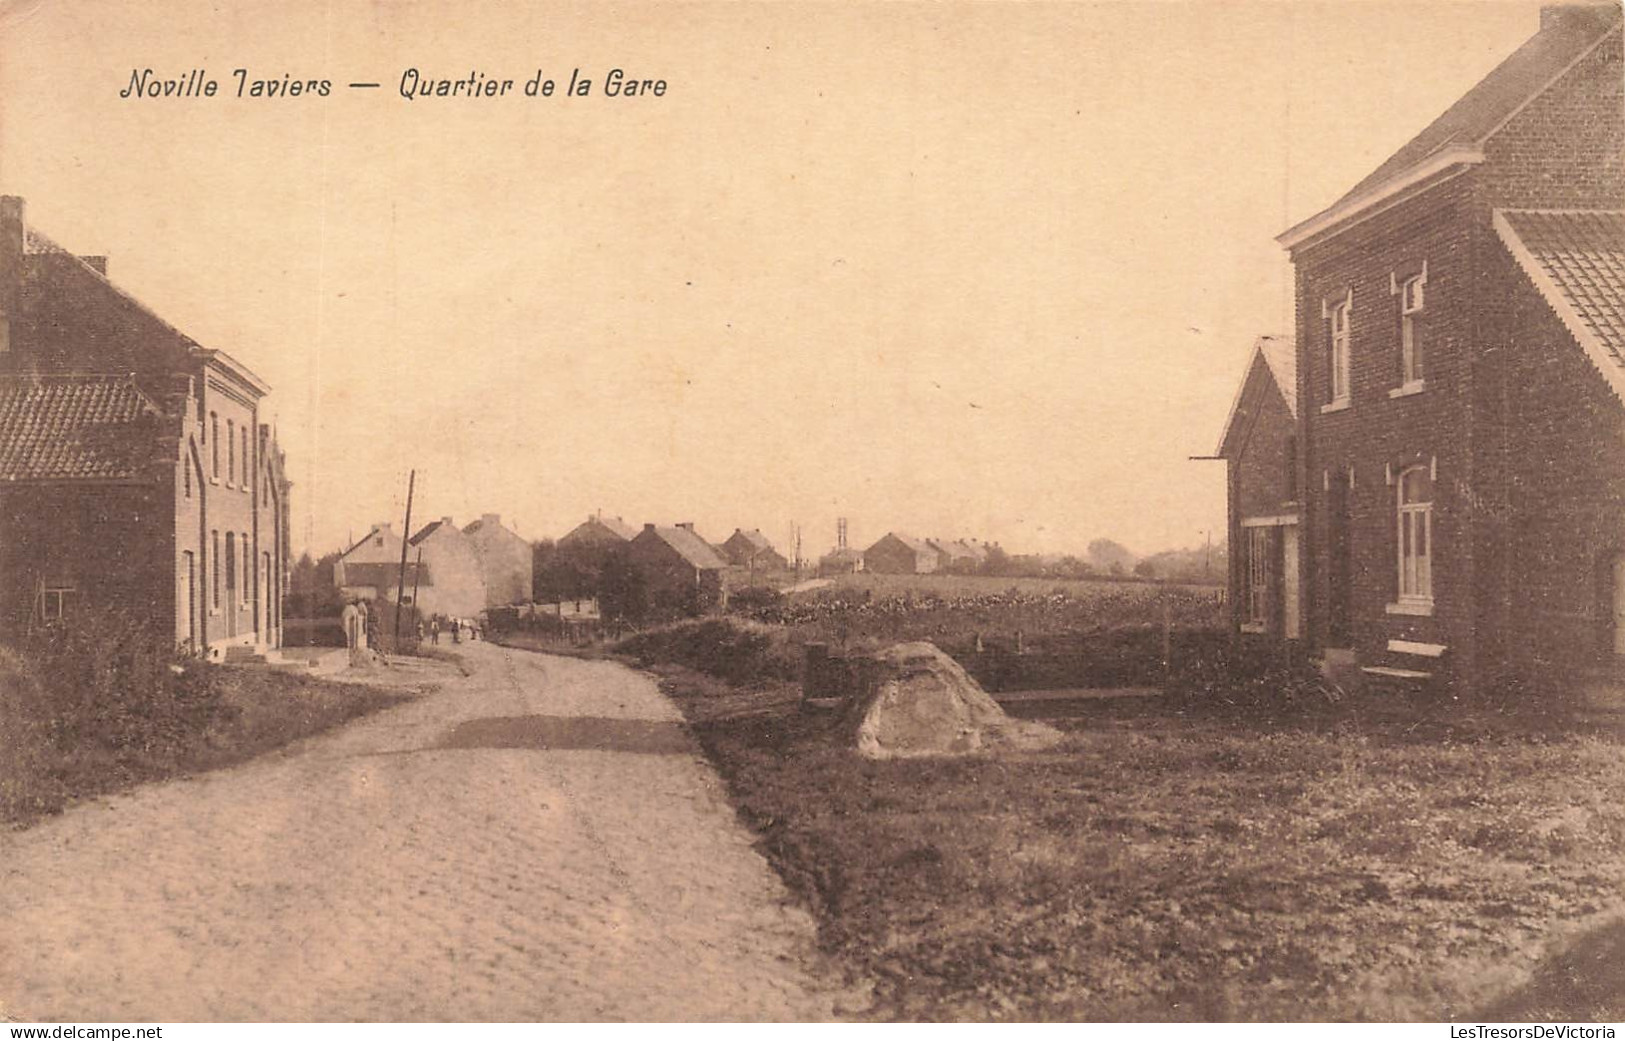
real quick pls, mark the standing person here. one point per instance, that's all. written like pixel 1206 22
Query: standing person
pixel 434 630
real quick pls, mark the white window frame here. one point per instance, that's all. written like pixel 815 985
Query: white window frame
pixel 1340 315
pixel 54 603
pixel 1256 605
pixel 1412 302
pixel 1413 541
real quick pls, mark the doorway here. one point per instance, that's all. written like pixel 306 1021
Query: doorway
pixel 1339 541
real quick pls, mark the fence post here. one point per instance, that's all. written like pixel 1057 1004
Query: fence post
pixel 1167 643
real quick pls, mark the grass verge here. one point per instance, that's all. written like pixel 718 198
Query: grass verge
pixel 1165 865
pixel 217 717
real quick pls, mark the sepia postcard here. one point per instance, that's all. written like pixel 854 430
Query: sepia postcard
pixel 739 512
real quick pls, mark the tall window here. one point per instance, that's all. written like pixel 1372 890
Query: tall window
pixel 1411 299
pixel 248 568
pixel 247 470
pixel 231 454
pixel 1340 351
pixel 1416 536
pixel 214 557
pixel 231 563
pixel 1258 575
pixel 214 441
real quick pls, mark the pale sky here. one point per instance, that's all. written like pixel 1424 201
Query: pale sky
pixel 986 270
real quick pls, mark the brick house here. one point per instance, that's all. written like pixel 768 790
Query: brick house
pixel 1460 382
pixel 506 560
pixel 751 549
pixel 136 473
pixel 956 556
pixel 676 563
pixel 896 554
pixel 1259 446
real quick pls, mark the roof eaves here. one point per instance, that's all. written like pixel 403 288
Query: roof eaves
pixel 1439 168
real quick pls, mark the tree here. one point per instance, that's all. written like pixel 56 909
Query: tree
pixel 623 595
pixel 1145 569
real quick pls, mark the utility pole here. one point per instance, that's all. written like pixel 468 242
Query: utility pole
pixel 406 539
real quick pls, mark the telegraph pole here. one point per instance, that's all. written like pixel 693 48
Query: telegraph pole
pixel 406 538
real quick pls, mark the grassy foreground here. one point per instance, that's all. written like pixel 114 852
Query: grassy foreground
pixel 1168 866
pixel 218 716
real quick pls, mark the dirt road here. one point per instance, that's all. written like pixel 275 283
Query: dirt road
pixel 537 841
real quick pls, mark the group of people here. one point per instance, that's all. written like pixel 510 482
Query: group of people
pixel 458 628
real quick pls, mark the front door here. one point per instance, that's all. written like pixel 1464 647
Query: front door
pixel 1341 579
pixel 231 584
pixel 1619 605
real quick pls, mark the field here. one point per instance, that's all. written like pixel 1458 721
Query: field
pixel 981 585
pixel 1172 864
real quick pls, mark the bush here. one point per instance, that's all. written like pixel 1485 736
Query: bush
pixel 24 736
pixel 1254 679
pixel 737 654
pixel 753 600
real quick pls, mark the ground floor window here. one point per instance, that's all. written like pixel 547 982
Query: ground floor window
pixel 53 603
pixel 1256 602
pixel 1415 536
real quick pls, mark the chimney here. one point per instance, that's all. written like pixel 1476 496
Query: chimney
pixel 491 520
pixel 12 234
pixel 446 521
pixel 686 525
pixel 99 263
pixel 1555 16
pixel 648 527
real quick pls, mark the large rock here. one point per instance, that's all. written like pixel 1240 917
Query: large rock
pixel 920 702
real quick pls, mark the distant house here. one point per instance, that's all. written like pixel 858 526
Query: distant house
pixel 458 590
pixel 137 472
pixel 843 560
pixel 955 556
pixel 1460 368
pixel 599 530
pixel 897 554
pixel 506 561
pixel 381 581
pixel 750 549
pixel 676 563
pixel 1259 445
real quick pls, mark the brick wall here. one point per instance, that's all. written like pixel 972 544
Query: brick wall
pixel 1379 435
pixel 1566 149
pixel 112 543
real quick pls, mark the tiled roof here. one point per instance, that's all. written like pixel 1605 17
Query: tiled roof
pixel 690 547
pixel 754 537
pixel 953 549
pixel 1576 258
pixel 1479 112
pixel 55 428
pixel 917 546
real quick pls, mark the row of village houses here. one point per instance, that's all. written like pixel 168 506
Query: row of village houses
pixel 1427 479
pixel 459 572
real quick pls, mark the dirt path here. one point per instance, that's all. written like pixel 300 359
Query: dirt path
pixel 539 841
